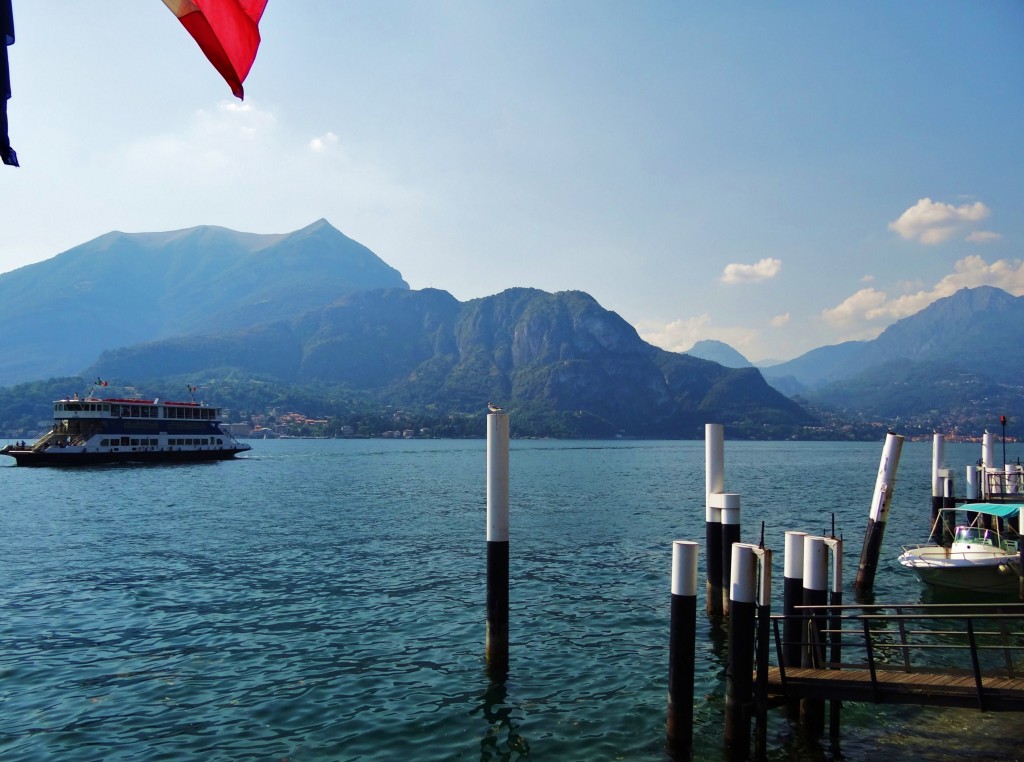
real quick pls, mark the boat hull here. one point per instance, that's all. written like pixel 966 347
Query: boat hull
pixel 979 573
pixel 58 457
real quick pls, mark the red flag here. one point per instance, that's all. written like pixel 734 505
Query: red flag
pixel 227 32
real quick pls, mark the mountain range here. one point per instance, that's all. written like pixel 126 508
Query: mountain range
pixel 318 317
pixel 951 364
pixel 317 312
pixel 125 288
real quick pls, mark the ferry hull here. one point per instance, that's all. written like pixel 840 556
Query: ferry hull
pixel 57 457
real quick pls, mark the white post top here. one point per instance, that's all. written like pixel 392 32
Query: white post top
pixel 684 568
pixel 815 564
pixel 728 501
pixel 743 584
pixel 793 563
pixel 714 458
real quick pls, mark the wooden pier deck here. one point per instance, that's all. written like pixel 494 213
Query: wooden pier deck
pixel 952 656
pixel 897 687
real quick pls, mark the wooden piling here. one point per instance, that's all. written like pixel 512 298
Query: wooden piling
pixel 938 447
pixel 682 649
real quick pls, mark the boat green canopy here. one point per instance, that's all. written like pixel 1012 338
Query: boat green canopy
pixel 1002 510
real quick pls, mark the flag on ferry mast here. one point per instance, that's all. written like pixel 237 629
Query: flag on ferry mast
pixel 227 32
pixel 7 154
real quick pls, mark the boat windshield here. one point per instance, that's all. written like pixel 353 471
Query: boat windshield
pixel 975 535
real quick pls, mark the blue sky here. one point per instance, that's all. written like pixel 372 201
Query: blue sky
pixel 778 176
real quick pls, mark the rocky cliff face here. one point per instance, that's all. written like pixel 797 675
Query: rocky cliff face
pixel 557 356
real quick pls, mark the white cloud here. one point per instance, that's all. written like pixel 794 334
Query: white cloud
pixel 680 335
pixel 760 270
pixel 932 222
pixel 233 161
pixel 983 236
pixel 780 320
pixel 321 143
pixel 869 309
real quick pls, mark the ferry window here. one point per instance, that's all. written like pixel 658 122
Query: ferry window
pixel 135 443
pixel 104 443
pixel 124 441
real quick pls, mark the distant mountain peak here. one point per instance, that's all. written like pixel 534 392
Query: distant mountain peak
pixel 720 352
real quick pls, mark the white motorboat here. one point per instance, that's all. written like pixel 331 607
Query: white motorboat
pixel 984 555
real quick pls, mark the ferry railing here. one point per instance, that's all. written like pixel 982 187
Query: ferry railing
pixel 974 640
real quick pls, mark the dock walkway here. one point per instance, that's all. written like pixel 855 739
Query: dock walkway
pixel 954 656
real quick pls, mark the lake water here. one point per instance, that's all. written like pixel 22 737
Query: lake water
pixel 324 600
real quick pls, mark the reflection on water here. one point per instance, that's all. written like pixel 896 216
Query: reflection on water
pixel 501 741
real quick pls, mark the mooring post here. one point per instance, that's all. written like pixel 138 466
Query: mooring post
pixel 988 467
pixel 879 514
pixel 812 711
pixel 714 481
pixel 938 447
pixel 764 613
pixel 792 596
pixel 682 649
pixel 948 501
pixel 739 671
pixel 730 503
pixel 497 540
pixel 835 601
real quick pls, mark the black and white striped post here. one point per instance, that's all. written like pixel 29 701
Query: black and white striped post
pixel 812 711
pixel 835 601
pixel 879 515
pixel 682 649
pixel 497 540
pixel 992 485
pixel 739 671
pixel 714 482
pixel 730 503
pixel 948 501
pixel 938 448
pixel 792 596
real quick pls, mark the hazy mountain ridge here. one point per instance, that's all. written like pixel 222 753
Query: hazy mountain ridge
pixel 720 352
pixel 967 327
pixel 124 288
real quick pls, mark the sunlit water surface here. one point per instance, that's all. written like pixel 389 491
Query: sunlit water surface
pixel 322 600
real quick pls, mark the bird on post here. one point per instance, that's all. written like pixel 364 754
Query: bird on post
pixel 493 408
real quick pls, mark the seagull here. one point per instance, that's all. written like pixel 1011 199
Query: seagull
pixel 493 408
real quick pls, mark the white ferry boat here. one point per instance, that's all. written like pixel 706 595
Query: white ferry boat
pixel 91 430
